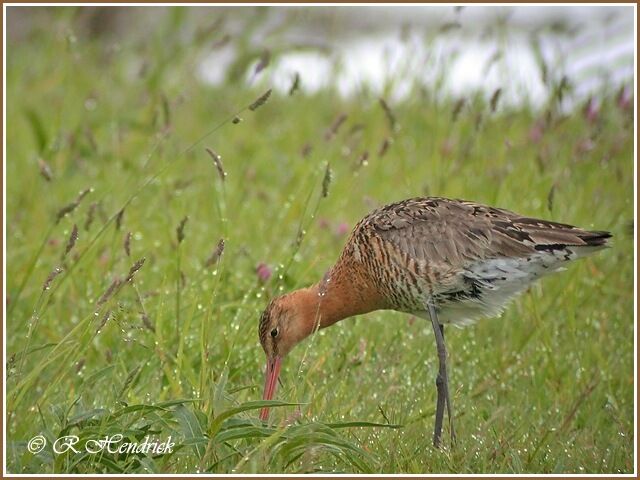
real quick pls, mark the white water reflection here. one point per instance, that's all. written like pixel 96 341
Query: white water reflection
pixel 591 46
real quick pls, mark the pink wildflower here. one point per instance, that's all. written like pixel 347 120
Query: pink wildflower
pixel 342 229
pixel 263 271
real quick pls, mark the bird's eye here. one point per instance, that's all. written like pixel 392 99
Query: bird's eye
pixel 274 332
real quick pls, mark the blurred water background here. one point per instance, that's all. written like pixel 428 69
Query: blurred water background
pixel 526 51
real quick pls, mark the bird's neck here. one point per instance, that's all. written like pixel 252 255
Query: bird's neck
pixel 338 296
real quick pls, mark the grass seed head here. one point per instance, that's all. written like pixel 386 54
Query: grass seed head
pixel 563 87
pixel 64 211
pixel 136 266
pixel 119 218
pixel 127 244
pixel 103 322
pixel 260 101
pixel 295 84
pixel 495 98
pixel 326 181
pixel 73 237
pixel 391 118
pixel 299 237
pixel 217 161
pixel 104 298
pixel 384 146
pixel 263 63
pixel 550 197
pixel 54 273
pixel 216 254
pixel 335 126
pixel 67 209
pixel 180 229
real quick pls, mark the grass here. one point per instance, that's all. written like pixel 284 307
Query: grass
pixel 173 350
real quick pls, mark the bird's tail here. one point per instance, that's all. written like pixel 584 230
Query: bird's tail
pixel 596 238
pixel 593 241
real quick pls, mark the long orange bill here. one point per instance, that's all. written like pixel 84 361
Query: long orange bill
pixel 270 383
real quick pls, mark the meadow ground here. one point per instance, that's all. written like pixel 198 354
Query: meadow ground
pixel 172 349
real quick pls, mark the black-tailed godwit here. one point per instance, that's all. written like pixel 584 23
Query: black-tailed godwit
pixel 449 261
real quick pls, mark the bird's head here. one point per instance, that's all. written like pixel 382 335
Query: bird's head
pixel 284 323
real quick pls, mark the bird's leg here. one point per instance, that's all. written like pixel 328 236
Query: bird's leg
pixel 442 380
pixel 447 397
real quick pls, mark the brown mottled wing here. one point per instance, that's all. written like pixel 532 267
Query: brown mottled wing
pixel 456 232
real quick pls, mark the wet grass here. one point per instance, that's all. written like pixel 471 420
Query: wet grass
pixel 144 323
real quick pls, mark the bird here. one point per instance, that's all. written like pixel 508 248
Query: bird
pixel 448 261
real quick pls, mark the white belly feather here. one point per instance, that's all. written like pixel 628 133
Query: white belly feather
pixel 486 287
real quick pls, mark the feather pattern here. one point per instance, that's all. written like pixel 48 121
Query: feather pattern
pixel 467 258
